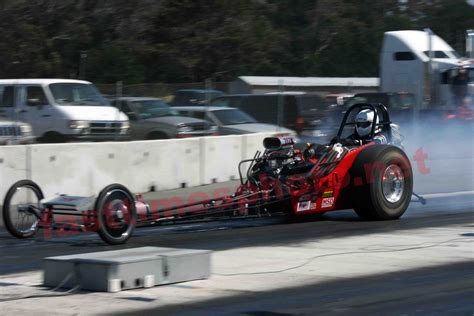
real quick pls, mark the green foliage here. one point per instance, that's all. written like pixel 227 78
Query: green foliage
pixel 190 40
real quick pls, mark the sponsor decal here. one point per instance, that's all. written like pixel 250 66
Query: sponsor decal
pixel 303 206
pixel 329 193
pixel 327 202
pixel 287 140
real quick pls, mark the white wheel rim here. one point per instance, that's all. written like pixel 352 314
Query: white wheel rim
pixel 393 183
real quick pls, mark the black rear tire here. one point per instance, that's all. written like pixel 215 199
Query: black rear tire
pixel 115 207
pixel 382 183
pixel 31 224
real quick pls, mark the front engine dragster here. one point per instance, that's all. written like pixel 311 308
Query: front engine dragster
pixel 375 180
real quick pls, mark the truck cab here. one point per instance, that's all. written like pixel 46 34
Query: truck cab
pixel 423 64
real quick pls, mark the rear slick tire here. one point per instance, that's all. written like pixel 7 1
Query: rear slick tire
pixel 382 183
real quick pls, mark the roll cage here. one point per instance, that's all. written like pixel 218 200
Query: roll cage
pixel 381 113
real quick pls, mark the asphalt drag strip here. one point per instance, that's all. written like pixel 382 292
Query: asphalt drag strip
pixel 440 290
pixel 427 269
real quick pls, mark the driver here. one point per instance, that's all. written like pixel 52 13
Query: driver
pixel 363 127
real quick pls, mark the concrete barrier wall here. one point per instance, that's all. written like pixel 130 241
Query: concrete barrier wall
pixel 221 156
pixel 13 167
pixel 86 168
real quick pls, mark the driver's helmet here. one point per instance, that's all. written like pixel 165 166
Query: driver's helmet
pixel 364 121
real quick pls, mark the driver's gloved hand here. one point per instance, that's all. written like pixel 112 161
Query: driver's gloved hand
pixel 309 153
pixel 314 151
pixel 344 141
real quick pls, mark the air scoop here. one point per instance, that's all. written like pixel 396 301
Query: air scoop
pixel 278 143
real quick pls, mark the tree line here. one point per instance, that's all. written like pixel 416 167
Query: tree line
pixel 190 40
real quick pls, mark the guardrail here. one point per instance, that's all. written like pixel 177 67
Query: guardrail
pixel 86 168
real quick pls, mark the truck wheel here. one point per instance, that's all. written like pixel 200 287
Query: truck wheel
pixel 116 214
pixel 18 215
pixel 382 183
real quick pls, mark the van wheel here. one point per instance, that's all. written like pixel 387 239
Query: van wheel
pixel 52 137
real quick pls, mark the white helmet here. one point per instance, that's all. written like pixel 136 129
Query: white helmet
pixel 364 120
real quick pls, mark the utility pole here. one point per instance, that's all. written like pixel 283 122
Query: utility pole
pixel 82 64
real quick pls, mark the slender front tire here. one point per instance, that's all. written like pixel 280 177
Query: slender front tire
pixel 116 214
pixel 19 206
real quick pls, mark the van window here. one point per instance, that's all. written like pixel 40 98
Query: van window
pixel 7 93
pixel 35 96
pixel 77 94
pixel 403 56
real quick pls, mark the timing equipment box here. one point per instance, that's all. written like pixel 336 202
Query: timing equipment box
pixel 116 270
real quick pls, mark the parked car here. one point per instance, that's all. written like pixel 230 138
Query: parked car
pixel 189 97
pixel 12 133
pixel 231 121
pixel 152 118
pixel 62 109
pixel 301 112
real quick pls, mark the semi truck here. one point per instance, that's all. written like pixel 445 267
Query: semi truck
pixel 422 63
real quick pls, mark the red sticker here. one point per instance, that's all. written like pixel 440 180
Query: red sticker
pixel 327 202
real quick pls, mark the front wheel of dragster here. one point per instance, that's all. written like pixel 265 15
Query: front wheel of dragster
pixel 21 209
pixel 382 183
pixel 116 214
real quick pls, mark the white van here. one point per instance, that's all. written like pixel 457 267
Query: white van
pixel 62 109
